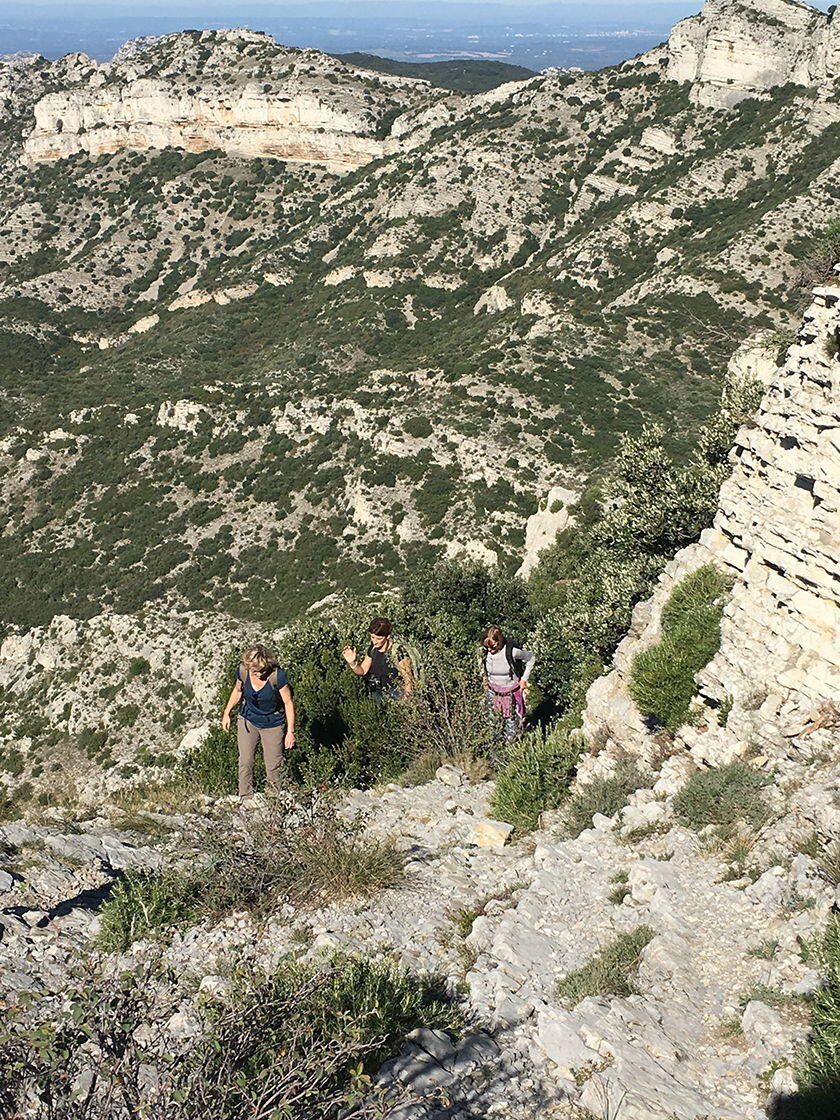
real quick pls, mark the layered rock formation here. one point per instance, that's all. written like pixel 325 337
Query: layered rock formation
pixel 737 49
pixel 777 533
pixel 229 90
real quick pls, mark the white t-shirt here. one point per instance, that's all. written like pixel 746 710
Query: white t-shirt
pixel 498 669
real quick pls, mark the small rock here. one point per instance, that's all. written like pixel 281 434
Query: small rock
pixel 436 1043
pixel 491 834
pixel 184 1024
pixel 762 1026
pixel 214 985
pixel 451 776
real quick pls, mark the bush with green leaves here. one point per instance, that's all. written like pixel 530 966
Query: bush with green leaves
pixel 601 795
pixel 299 852
pixel 625 530
pixel 819 1064
pixel 723 797
pixel 143 902
pixel 535 775
pixel 301 1042
pixel 610 972
pixel 662 677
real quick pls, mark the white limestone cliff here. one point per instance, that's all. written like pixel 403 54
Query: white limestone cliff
pixel 734 49
pixel 777 534
pixel 231 90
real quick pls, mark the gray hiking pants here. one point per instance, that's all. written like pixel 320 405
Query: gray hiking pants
pixel 272 748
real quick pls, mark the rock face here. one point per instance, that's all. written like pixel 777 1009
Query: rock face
pixel 777 533
pixel 735 49
pixel 229 90
pixel 543 526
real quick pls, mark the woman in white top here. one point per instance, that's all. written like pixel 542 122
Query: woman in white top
pixel 506 672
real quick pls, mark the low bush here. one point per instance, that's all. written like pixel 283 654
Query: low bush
pixel 143 902
pixel 610 972
pixel 298 1043
pixel 662 677
pixel 298 852
pixel 819 1064
pixel 535 775
pixel 601 795
pixel 723 797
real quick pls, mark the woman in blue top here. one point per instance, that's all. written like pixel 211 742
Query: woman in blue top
pixel 266 712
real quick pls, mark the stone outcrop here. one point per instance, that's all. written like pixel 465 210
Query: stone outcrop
pixel 231 90
pixel 777 534
pixel 542 527
pixel 735 49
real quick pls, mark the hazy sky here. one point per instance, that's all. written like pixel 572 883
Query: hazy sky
pixel 532 33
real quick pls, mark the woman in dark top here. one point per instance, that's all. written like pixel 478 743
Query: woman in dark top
pixel 386 667
pixel 266 713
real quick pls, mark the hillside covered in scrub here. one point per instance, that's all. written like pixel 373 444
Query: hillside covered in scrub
pixel 630 910
pixel 269 320
pixel 288 343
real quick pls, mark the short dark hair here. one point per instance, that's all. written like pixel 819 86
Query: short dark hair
pixel 381 627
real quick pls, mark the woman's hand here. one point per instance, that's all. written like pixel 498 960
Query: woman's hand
pixel 523 687
pixel 226 721
pixel 289 741
pixel 349 655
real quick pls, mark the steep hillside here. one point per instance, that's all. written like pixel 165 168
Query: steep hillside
pixel 239 383
pixel 658 939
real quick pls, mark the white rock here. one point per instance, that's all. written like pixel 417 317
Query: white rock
pixel 491 834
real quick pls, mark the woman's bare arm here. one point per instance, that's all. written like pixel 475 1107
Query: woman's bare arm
pixel 233 700
pixel 289 707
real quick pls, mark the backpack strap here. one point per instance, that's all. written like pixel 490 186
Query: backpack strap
pixel 509 648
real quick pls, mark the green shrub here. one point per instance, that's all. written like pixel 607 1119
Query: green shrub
pixel 723 797
pixel 535 775
pixel 298 1042
pixel 300 851
pixel 610 972
pixel 601 795
pixel 649 506
pixel 143 902
pixel 819 1064
pixel 662 677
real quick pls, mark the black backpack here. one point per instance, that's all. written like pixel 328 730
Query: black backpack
pixel 516 666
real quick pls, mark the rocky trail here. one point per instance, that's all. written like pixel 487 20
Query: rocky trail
pixel 715 1014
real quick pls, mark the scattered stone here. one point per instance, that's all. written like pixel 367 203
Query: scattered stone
pixel 491 834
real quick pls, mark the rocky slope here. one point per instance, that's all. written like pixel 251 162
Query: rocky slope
pixel 559 260
pixel 97 704
pixel 296 105
pixel 731 51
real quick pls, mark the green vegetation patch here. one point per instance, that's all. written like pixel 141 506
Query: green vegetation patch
pixel 602 795
pixel 611 972
pixel 723 797
pixel 535 775
pixel 662 677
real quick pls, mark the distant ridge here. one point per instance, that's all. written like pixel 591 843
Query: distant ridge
pixel 466 75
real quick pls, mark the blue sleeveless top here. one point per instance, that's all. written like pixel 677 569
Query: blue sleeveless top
pixel 259 706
